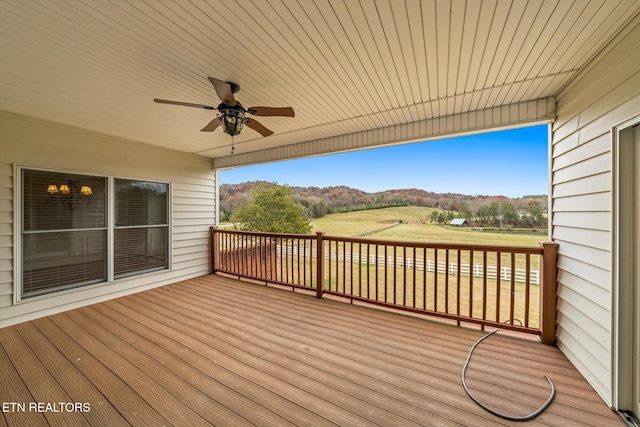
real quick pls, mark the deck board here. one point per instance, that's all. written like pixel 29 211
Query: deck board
pixel 218 351
pixel 76 385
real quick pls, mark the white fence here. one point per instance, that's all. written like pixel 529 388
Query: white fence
pixel 401 262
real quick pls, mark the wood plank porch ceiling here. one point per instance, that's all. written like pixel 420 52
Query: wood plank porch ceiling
pixel 217 351
pixel 346 67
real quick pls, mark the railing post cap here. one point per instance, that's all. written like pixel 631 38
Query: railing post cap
pixel 319 233
pixel 549 243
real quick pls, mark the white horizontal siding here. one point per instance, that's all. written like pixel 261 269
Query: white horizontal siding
pixel 36 143
pixel 589 220
pixel 6 232
pixel 585 167
pixel 606 93
pixel 578 343
pixel 595 202
pixel 581 326
pixel 586 272
pixel 592 184
pixel 586 237
pixel 595 148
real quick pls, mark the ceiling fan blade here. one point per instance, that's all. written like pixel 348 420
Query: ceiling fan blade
pixel 223 89
pixel 272 111
pixel 213 125
pixel 186 104
pixel 255 125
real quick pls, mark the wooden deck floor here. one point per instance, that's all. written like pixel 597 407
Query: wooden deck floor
pixel 217 351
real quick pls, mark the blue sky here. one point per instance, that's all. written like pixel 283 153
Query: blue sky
pixel 512 163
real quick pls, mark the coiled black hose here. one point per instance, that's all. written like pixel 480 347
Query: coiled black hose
pixel 497 414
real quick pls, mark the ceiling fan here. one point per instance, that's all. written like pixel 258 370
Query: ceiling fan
pixel 233 116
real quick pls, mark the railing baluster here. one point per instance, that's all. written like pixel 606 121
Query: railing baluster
pixel 252 260
pixel 351 270
pixel 376 272
pixel 329 259
pixel 458 286
pixel 368 270
pixel 404 275
pixel 395 273
pixel 293 261
pixel 247 253
pixel 296 260
pixel 237 249
pixel 498 290
pixel 446 281
pixel 385 274
pixel 527 290
pixel 435 279
pixel 337 268
pixel 471 284
pixel 414 277
pixel 359 269
pixel 513 288
pixel 344 268
pixel 288 266
pixel 484 287
pixel 320 264
pixel 318 269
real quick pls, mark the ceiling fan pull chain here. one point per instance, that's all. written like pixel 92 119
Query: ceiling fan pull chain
pixel 233 147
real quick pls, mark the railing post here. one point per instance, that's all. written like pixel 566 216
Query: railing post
pixel 548 292
pixel 319 264
pixel 215 250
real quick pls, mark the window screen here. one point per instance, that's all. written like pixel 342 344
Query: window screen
pixel 141 227
pixel 64 231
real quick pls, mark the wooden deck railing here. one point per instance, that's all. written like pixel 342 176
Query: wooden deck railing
pixel 511 287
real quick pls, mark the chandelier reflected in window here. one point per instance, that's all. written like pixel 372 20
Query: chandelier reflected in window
pixel 71 195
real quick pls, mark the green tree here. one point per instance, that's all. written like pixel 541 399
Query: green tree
pixel 273 210
pixel 534 214
pixel 509 214
pixel 464 211
pixel 483 214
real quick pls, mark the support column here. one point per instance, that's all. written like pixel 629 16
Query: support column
pixel 215 250
pixel 549 292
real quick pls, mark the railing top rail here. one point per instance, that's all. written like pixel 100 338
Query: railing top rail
pixel 259 233
pixel 441 245
pixel 428 245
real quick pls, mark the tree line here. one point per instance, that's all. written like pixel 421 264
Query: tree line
pixel 496 214
pixel 479 210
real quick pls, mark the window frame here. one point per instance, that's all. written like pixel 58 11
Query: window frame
pixel 18 205
pixel 112 230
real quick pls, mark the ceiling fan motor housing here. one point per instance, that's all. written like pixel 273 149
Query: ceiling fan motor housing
pixel 235 87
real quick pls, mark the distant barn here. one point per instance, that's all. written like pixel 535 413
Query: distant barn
pixel 460 222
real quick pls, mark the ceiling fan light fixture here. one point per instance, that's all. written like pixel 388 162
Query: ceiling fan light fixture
pixel 232 120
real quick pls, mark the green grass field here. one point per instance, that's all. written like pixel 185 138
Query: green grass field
pixel 353 224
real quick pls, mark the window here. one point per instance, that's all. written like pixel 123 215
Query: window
pixel 142 227
pixel 67 237
pixel 64 232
